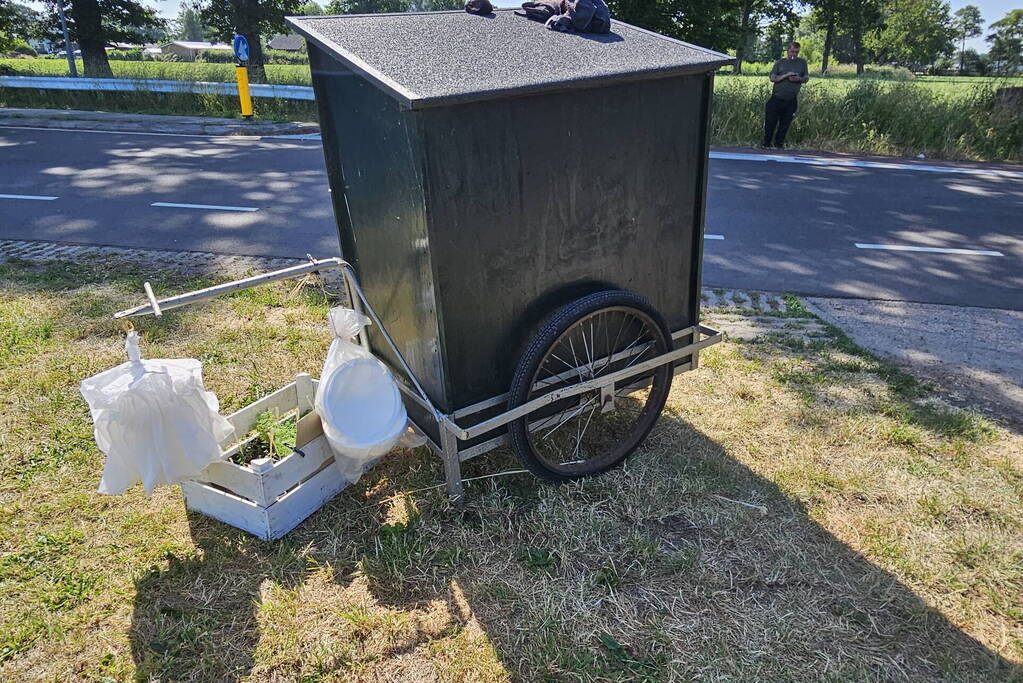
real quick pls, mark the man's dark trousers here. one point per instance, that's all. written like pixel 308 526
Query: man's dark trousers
pixel 778 113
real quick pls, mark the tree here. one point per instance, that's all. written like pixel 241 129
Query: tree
pixel 188 24
pixel 825 14
pixel 913 33
pixel 974 64
pixel 751 14
pixel 1007 42
pixel 858 18
pixel 967 24
pixel 710 23
pixel 771 42
pixel 94 24
pixel 251 19
pixel 18 23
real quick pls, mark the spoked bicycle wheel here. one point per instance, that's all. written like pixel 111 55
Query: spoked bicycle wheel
pixel 590 338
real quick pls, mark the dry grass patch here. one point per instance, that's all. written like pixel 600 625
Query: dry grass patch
pixel 802 511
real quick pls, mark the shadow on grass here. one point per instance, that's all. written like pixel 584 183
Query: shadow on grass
pixel 646 573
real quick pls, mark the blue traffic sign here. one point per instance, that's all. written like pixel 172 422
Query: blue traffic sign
pixel 241 48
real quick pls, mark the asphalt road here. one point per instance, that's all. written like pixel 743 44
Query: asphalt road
pixel 771 226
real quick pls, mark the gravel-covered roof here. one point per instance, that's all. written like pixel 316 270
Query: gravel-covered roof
pixel 435 58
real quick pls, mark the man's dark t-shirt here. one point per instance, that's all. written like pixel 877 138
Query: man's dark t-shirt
pixel 786 89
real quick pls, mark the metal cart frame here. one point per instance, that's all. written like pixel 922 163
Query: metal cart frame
pixel 450 432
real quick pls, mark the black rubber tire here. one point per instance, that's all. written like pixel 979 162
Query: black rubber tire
pixel 549 334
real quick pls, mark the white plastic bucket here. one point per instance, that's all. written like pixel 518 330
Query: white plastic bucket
pixel 364 415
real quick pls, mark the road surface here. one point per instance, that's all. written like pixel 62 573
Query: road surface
pixel 877 230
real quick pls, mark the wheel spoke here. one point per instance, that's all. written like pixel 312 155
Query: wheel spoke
pixel 574 412
pixel 638 356
pixel 579 441
pixel 587 348
pixel 603 433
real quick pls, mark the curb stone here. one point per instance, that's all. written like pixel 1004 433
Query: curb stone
pixel 742 314
pixel 190 262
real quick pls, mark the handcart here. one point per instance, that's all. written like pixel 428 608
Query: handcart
pixel 529 230
pixel 587 388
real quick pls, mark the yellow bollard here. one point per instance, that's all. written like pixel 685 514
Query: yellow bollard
pixel 243 90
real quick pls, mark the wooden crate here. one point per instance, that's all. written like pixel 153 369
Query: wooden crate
pixel 269 498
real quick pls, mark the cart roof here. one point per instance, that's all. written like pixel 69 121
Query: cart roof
pixel 425 59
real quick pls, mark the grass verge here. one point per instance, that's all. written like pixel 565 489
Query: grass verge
pixel 878 117
pixel 883 542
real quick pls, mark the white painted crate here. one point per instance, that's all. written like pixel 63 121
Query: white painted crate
pixel 270 498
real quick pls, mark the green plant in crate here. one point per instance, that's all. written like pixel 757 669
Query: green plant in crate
pixel 275 438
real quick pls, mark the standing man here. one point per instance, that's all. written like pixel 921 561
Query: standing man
pixel 788 75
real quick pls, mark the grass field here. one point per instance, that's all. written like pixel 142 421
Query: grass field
pixel 172 71
pixel 802 511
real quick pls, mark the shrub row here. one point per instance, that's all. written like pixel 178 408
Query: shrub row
pixel 269 57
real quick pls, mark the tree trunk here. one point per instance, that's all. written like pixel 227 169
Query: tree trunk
pixel 829 36
pixel 858 48
pixel 257 71
pixel 740 50
pixel 962 54
pixel 88 29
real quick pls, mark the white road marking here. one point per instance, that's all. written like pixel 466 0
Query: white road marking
pixel 713 237
pixel 932 250
pixel 210 207
pixel 860 163
pixel 294 136
pixel 28 196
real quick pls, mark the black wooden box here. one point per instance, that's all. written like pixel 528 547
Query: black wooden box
pixel 485 171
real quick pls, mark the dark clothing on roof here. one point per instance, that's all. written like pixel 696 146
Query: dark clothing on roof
pixel 542 10
pixel 479 7
pixel 584 16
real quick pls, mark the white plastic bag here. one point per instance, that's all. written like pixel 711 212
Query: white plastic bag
pixel 154 420
pixel 357 399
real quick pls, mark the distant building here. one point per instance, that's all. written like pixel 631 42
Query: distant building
pixel 43 46
pixel 188 50
pixel 291 43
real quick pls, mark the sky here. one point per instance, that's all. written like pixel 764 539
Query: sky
pixel 990 10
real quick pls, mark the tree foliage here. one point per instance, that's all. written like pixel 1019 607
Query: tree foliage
pixel 708 23
pixel 753 13
pixel 380 6
pixel 250 18
pixel 189 24
pixel 967 23
pixel 1007 43
pixel 913 33
pixel 18 23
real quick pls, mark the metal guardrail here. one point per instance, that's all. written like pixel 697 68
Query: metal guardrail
pixel 287 92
